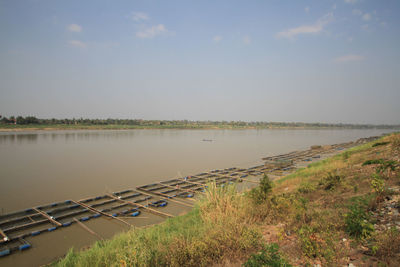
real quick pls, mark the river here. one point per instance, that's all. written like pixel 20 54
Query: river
pixel 49 166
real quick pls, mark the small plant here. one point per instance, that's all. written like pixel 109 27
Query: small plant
pixel 308 242
pixel 331 182
pixel 386 245
pixel 396 143
pixel 268 256
pixel 372 161
pixel 261 193
pixel 377 184
pixel 306 187
pixel 380 144
pixel 383 165
pixel 357 220
pixel 355 188
pixel 346 155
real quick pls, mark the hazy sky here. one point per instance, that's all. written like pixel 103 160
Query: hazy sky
pixel 317 60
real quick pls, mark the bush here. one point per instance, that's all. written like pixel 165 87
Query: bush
pixel 377 184
pixel 383 164
pixel 380 144
pixel 306 187
pixel 268 256
pixel 331 182
pixel 387 244
pixel 357 220
pixel 260 194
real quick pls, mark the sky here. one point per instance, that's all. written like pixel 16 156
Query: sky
pixel 334 61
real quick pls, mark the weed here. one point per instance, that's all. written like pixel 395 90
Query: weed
pixel 386 245
pixel 268 256
pixel 372 161
pixel 383 165
pixel 380 144
pixel 306 187
pixel 355 188
pixel 357 220
pixel 377 184
pixel 332 181
pixel 260 194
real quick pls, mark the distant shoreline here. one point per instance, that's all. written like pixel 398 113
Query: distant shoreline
pixel 30 128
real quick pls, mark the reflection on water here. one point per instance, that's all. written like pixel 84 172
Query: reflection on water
pixel 42 167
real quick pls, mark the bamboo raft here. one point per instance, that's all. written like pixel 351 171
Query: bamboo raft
pixel 16 227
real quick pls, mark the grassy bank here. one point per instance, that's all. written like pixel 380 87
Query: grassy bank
pixel 341 210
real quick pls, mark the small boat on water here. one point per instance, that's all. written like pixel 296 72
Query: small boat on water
pixel 207 140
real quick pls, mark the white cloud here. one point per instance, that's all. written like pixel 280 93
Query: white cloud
pixel 366 17
pixel 307 29
pixel 349 58
pixel 350 1
pixel 217 38
pixel 77 43
pixel 152 31
pixel 74 28
pixel 307 9
pixel 357 12
pixel 139 16
pixel 246 40
pixel 334 6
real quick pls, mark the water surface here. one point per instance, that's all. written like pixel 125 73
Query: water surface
pixel 49 166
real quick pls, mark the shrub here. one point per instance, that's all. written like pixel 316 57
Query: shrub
pixel 309 242
pixel 346 155
pixel 387 244
pixel 306 187
pixel 357 220
pixel 260 194
pixel 372 161
pixel 377 184
pixel 268 256
pixel 331 182
pixel 383 164
pixel 380 144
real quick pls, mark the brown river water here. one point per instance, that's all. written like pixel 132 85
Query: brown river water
pixel 42 167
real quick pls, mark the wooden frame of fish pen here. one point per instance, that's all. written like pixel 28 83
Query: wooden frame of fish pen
pixel 14 227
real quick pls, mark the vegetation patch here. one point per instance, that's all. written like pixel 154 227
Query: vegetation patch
pixel 358 219
pixel 268 256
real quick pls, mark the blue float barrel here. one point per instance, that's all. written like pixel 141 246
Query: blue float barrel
pixel 5 252
pixel 24 247
pixel 35 233
pixel 136 213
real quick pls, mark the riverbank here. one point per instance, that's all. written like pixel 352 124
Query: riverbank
pixel 338 211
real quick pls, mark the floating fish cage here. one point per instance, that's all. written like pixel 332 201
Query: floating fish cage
pixel 14 227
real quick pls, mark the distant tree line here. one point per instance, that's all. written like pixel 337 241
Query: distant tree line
pixel 19 120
